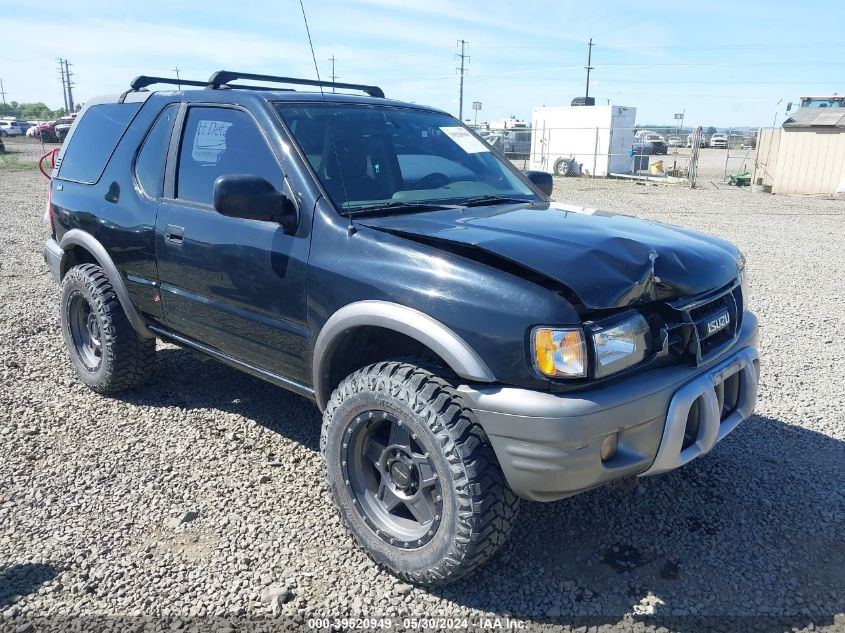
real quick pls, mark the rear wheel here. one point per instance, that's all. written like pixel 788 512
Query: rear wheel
pixel 415 480
pixel 105 350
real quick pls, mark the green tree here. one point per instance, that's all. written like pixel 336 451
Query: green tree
pixel 33 111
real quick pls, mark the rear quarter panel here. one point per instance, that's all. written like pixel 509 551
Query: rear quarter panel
pixel 115 212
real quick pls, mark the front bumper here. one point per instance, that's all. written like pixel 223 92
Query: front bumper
pixel 548 445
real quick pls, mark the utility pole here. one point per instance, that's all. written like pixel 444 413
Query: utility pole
pixel 64 84
pixel 69 84
pixel 334 77
pixel 2 92
pixel 589 66
pixel 464 57
pixel 176 70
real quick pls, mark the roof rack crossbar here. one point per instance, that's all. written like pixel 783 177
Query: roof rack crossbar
pixel 145 80
pixel 251 87
pixel 222 77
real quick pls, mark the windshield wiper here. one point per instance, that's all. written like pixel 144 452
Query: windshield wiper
pixel 479 201
pixel 397 207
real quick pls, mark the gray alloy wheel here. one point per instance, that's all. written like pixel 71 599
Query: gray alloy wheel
pixel 396 489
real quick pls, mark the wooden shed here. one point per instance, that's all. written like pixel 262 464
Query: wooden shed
pixel 805 156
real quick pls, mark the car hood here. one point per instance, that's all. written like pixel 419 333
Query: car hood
pixel 608 260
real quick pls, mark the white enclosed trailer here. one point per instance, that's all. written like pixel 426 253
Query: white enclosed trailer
pixel 598 138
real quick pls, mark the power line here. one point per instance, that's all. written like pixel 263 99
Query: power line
pixel 464 57
pixel 672 64
pixel 699 47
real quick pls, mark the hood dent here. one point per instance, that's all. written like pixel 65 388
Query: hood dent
pixel 602 261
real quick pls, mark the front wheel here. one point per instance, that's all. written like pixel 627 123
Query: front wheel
pixel 414 478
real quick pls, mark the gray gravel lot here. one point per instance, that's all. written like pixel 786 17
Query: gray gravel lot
pixel 200 495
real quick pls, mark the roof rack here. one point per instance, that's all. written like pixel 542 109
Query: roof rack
pixel 145 80
pixel 222 77
pixel 251 87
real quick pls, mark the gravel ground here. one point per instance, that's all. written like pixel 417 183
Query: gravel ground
pixel 200 495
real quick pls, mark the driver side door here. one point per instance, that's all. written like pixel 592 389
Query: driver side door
pixel 234 284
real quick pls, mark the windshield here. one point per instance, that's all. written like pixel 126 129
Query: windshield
pixel 373 156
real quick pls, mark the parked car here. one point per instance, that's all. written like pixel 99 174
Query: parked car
pixel 494 138
pixel 45 132
pixel 675 141
pixel 702 142
pixel 469 341
pixel 9 127
pixel 518 143
pixel 719 141
pixel 24 126
pixel 54 131
pixel 657 142
pixel 62 126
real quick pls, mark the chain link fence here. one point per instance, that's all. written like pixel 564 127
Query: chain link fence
pixel 685 158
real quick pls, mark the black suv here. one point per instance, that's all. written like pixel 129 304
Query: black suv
pixel 469 341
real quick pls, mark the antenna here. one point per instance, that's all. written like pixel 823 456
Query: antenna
pixel 351 230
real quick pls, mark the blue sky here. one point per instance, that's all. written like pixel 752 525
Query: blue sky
pixel 726 63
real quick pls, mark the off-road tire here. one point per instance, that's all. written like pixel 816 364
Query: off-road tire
pixel 127 359
pixel 478 507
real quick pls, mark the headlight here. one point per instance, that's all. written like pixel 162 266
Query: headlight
pixel 560 353
pixel 620 345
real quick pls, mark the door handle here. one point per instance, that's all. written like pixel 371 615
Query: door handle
pixel 173 234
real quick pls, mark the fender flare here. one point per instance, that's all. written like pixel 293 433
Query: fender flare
pixel 443 341
pixel 78 237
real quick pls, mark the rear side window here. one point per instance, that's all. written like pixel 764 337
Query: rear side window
pixel 94 140
pixel 149 167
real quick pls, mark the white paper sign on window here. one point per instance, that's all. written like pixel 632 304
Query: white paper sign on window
pixel 209 141
pixel 464 140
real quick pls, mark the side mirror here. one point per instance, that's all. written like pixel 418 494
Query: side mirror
pixel 253 198
pixel 542 180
